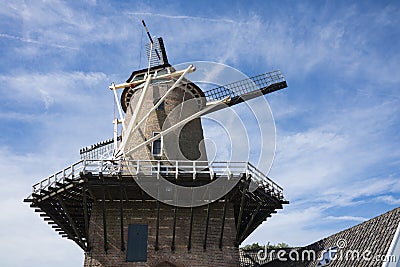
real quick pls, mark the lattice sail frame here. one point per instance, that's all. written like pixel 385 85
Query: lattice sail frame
pixel 240 89
pixel 152 55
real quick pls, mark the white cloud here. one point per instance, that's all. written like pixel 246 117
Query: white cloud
pixel 389 199
pixel 346 218
pixel 22 230
pixel 180 17
pixel 30 41
pixel 294 226
pixel 61 88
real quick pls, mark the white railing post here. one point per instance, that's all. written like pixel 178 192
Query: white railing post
pixel 83 168
pixel 211 171
pixel 176 170
pixel 72 171
pixel 120 166
pixel 194 170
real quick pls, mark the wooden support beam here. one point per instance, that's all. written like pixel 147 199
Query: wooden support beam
pixel 126 194
pixel 239 221
pixel 54 219
pixel 174 230
pixel 206 230
pixel 223 223
pixel 104 221
pixel 189 246
pixel 70 219
pixel 121 214
pixel 157 224
pixel 258 221
pixel 86 216
pixel 249 224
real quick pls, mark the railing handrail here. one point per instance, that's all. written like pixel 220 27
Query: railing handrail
pixel 156 166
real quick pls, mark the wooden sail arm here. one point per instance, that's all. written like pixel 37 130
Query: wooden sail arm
pixel 163 76
pixel 246 89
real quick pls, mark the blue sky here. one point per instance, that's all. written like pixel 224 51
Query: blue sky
pixel 338 123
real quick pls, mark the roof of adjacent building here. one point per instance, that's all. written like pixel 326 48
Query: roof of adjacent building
pixel 373 238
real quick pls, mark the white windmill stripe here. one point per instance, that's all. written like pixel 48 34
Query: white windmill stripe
pixel 179 124
pixel 159 102
pixel 163 76
pixel 138 108
pixel 118 105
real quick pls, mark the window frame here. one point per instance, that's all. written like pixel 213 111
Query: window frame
pixel 161 145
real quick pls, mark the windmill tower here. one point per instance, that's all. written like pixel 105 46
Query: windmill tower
pixel 150 196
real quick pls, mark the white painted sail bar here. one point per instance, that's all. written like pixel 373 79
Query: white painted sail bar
pixel 121 117
pixel 163 76
pixel 179 124
pixel 159 102
pixel 138 108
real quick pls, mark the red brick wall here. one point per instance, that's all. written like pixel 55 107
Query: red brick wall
pixel 139 212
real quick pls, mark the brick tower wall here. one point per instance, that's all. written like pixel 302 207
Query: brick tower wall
pixel 191 140
pixel 145 212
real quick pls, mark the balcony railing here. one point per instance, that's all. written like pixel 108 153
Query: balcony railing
pixel 163 167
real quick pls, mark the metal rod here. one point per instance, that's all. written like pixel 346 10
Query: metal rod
pixel 174 230
pixel 86 217
pixel 189 246
pixel 121 214
pixel 206 231
pixel 151 39
pixel 104 221
pixel 157 224
pixel 223 223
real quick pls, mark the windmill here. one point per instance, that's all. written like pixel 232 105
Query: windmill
pixel 150 194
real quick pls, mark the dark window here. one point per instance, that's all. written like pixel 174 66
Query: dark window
pixel 156 148
pixel 137 243
pixel 161 106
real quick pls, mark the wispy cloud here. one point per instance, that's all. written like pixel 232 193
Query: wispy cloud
pixel 62 88
pixel 180 17
pixel 389 199
pixel 347 218
pixel 27 40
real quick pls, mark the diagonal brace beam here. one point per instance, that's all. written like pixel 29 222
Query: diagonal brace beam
pixel 71 221
pixel 179 124
pixel 159 102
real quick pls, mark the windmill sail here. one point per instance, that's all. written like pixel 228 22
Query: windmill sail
pixel 247 89
pixel 156 53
